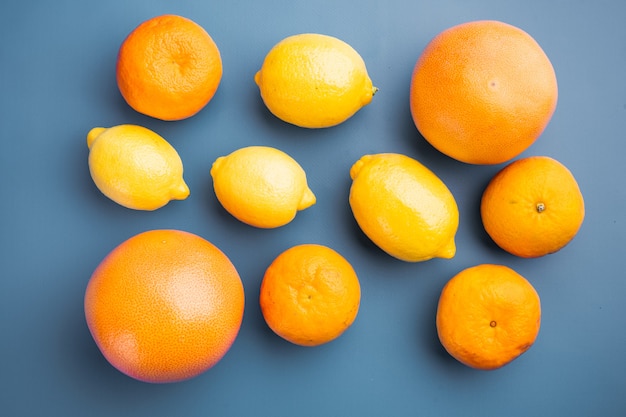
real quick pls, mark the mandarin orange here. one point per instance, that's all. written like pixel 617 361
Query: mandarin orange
pixel 532 207
pixel 310 295
pixel 487 316
pixel 168 68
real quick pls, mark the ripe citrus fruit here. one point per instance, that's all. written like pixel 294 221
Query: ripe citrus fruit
pixel 482 92
pixel 403 207
pixel 532 207
pixel 164 306
pixel 261 186
pixel 168 67
pixel 310 295
pixel 135 167
pixel 487 316
pixel 314 81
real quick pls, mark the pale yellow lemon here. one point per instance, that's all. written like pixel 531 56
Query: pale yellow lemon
pixel 261 186
pixel 403 207
pixel 313 80
pixel 135 167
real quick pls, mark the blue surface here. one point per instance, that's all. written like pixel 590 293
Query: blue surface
pixel 57 81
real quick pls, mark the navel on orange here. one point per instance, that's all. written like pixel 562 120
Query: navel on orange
pixel 533 207
pixel 487 316
pixel 164 306
pixel 168 68
pixel 482 92
pixel 310 295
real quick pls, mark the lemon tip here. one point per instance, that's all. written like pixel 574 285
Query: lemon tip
pixel 180 191
pixel 308 199
pixel 93 134
pixel 447 251
pixel 257 78
pixel 358 166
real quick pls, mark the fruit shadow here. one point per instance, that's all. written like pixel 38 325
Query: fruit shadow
pixel 285 132
pixel 427 339
pixel 273 124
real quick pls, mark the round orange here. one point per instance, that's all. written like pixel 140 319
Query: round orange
pixel 310 295
pixel 482 92
pixel 487 316
pixel 532 207
pixel 164 306
pixel 168 68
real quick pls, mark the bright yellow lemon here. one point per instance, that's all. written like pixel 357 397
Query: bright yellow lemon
pixel 314 81
pixel 403 207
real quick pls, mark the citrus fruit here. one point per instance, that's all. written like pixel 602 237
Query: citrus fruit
pixel 261 186
pixel 310 295
pixel 135 167
pixel 532 207
pixel 482 92
pixel 487 316
pixel 403 207
pixel 313 80
pixel 168 68
pixel 164 306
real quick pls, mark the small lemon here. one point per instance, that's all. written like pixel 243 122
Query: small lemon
pixel 314 81
pixel 261 186
pixel 135 167
pixel 403 207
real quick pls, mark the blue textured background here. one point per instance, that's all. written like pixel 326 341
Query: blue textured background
pixel 57 81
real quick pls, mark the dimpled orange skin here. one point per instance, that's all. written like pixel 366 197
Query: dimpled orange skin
pixel 168 68
pixel 164 306
pixel 487 316
pixel 482 92
pixel 532 207
pixel 310 295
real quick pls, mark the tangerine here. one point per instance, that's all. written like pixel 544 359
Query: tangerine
pixel 310 295
pixel 168 68
pixel 487 316
pixel 532 207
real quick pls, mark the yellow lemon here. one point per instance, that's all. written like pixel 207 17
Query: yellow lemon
pixel 314 81
pixel 261 186
pixel 135 167
pixel 403 207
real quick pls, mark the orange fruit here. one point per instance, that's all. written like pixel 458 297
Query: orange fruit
pixel 168 68
pixel 310 295
pixel 487 316
pixel 482 92
pixel 164 306
pixel 532 207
